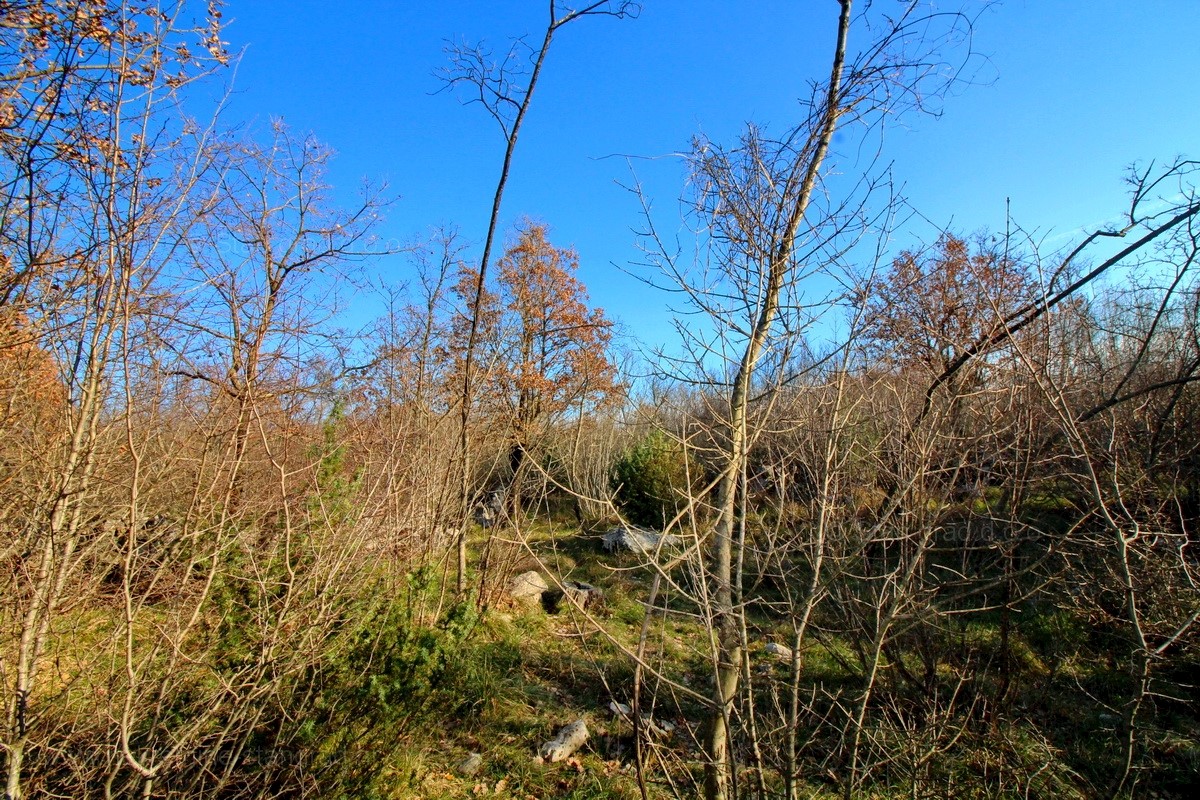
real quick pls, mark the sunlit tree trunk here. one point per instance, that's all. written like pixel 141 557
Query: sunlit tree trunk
pixel 802 180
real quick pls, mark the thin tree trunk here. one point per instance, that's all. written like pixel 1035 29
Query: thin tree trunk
pixel 466 394
pixel 729 656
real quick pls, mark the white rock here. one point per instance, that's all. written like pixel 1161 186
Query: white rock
pixel 619 709
pixel 638 540
pixel 528 587
pixel 659 729
pixel 569 739
pixel 778 651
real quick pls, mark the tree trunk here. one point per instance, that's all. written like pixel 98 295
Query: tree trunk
pixel 729 655
pixel 516 461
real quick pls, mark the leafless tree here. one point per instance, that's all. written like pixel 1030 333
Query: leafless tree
pixel 1116 398
pixel 505 90
pixel 232 331
pixel 762 209
pixel 90 200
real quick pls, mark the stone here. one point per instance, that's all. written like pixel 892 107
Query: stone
pixel 659 729
pixel 470 765
pixel 489 512
pixel 638 540
pixel 569 739
pixel 619 709
pixel 778 651
pixel 528 587
pixel 587 597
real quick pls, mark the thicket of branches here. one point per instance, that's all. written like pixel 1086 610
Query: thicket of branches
pixel 956 488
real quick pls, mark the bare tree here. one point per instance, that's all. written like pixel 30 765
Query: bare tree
pixel 506 91
pixel 91 196
pixel 762 210
pixel 1125 381
pixel 233 331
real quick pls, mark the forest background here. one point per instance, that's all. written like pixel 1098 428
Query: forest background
pixel 917 500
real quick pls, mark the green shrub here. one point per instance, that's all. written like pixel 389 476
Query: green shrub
pixel 652 480
pixel 392 674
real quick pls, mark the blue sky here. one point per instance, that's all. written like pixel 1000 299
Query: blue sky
pixel 1071 93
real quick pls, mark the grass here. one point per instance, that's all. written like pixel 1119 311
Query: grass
pixel 559 667
pixel 502 684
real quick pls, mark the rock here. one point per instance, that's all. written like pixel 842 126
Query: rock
pixel 619 709
pixel 569 739
pixel 528 587
pixel 778 651
pixel 470 765
pixel 637 540
pixel 588 597
pixel 490 511
pixel 659 729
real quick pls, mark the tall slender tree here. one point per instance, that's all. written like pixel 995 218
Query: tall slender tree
pixel 506 91
pixel 765 213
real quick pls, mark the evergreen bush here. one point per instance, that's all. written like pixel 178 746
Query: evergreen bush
pixel 651 481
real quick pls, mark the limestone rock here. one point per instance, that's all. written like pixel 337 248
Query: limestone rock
pixel 587 597
pixel 489 513
pixel 658 728
pixel 569 739
pixel 619 709
pixel 778 651
pixel 637 540
pixel 470 765
pixel 528 587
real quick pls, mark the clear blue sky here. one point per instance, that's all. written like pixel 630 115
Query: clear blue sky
pixel 1076 90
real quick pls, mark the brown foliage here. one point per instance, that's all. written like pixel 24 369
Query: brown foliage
pixel 545 349
pixel 932 305
pixel 29 386
pixel 559 351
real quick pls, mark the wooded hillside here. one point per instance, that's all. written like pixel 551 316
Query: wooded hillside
pixel 891 518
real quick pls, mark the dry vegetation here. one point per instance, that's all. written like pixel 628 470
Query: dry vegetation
pixel 933 514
